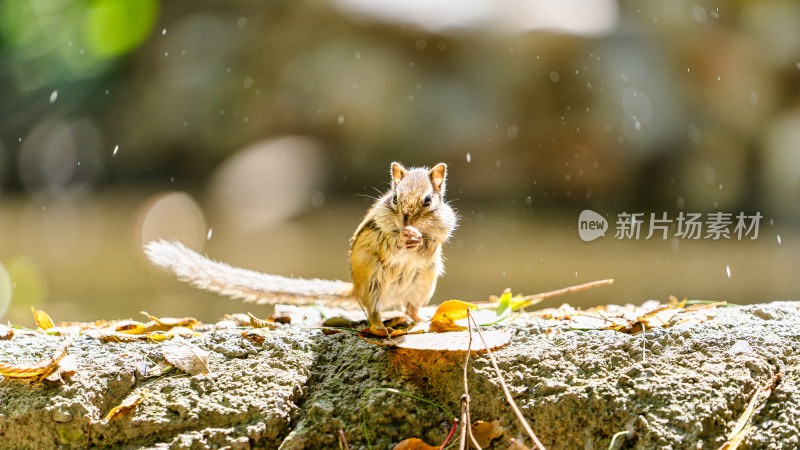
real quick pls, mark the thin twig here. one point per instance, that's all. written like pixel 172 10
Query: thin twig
pixel 449 436
pixel 343 440
pixel 614 438
pixel 557 292
pixel 465 418
pixel 644 342
pixel 568 290
pixel 509 399
pixel 462 441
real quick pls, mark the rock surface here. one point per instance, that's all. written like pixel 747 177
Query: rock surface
pixel 684 386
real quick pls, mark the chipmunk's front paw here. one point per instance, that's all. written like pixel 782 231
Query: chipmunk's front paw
pixel 412 238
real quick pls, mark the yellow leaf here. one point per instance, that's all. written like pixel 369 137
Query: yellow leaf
pixel 447 313
pixel 43 367
pixel 42 319
pixel 130 327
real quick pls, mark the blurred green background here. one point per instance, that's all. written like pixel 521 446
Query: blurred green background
pixel 257 131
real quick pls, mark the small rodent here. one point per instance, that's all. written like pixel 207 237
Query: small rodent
pixel 395 255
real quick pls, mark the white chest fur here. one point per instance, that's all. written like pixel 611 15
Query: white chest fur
pixel 410 278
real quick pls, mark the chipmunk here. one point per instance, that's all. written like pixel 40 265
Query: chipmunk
pixel 395 255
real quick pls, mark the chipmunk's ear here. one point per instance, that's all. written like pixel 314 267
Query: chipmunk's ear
pixel 398 172
pixel 438 175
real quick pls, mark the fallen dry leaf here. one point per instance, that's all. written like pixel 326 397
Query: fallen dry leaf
pixel 42 367
pixel 446 315
pixel 6 332
pixel 170 322
pixel 186 356
pixel 741 428
pixel 86 325
pixel 127 405
pixel 255 322
pixel 66 368
pixel 255 335
pixel 454 342
pixel 485 432
pixel 414 444
pixel 42 319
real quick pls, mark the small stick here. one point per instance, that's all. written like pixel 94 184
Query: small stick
pixel 343 440
pixel 465 418
pixel 644 342
pixel 568 290
pixel 509 399
pixel 562 291
pixel 449 436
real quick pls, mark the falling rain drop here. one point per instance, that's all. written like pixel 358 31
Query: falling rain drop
pixel 779 239
pixel 340 120
pixel 116 149
pixel 469 157
pixel 210 232
pixel 164 32
pixel 728 271
pixel 53 96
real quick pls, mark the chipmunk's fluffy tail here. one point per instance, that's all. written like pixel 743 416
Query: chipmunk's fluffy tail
pixel 249 285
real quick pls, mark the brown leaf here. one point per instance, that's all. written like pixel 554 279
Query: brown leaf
pixel 186 356
pixel 42 367
pixel 255 335
pixel 454 342
pixel 414 444
pixel 127 405
pixel 485 432
pixel 6 332
pixel 42 319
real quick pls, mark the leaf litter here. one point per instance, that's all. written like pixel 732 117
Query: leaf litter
pixel 443 334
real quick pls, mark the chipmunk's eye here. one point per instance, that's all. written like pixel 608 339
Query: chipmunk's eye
pixel 394 199
pixel 427 201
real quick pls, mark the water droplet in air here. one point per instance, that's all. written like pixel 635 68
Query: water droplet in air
pixel 779 239
pixel 340 120
pixel 116 149
pixel 164 32
pixel 469 157
pixel 528 200
pixel 53 96
pixel 728 271
pixel 210 232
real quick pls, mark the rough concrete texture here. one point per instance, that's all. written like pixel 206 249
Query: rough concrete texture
pixel 298 388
